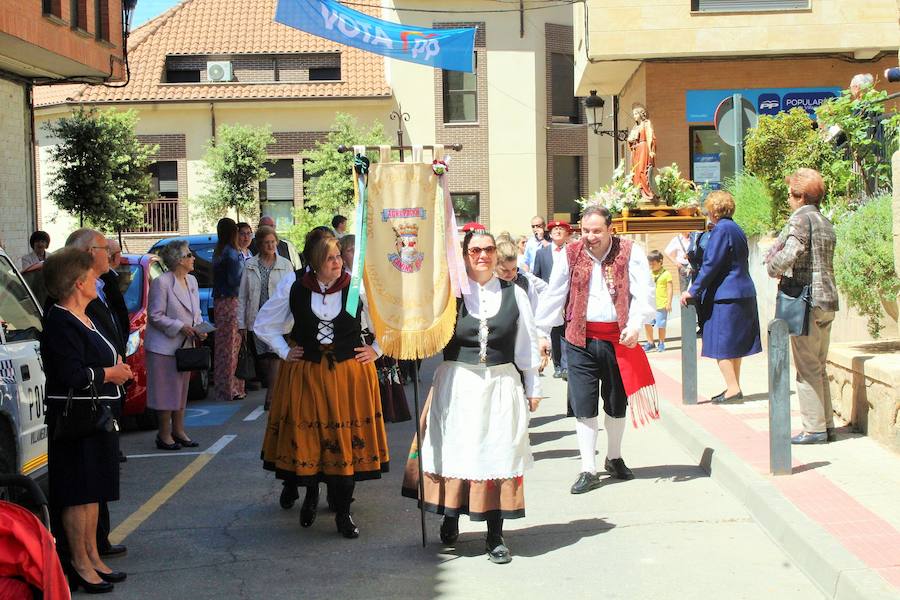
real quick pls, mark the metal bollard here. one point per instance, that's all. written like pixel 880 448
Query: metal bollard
pixel 779 399
pixel 689 353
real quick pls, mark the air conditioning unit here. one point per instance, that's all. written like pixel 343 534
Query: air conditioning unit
pixel 219 70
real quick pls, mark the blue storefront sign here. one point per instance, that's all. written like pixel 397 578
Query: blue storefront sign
pixel 701 104
pixel 450 49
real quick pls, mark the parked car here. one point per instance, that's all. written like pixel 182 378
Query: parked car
pixel 23 435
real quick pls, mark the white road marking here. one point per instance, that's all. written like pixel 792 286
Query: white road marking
pixel 221 443
pixel 255 413
pixel 167 453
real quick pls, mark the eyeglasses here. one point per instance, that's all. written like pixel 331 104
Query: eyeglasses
pixel 188 255
pixel 475 251
pixel 104 248
pixel 541 226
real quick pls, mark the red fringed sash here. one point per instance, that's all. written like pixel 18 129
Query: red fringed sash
pixel 637 377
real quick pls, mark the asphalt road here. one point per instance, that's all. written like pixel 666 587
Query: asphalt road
pixel 208 525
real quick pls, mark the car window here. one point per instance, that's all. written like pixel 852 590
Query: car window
pixel 203 254
pixel 19 315
pixel 156 269
pixel 134 293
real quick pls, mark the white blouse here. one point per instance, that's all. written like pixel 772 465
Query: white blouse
pixel 275 319
pixel 483 302
pixel 600 307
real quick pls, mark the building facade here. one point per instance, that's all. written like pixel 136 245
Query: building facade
pixel 42 43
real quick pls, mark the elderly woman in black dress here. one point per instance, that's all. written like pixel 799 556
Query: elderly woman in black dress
pixel 82 364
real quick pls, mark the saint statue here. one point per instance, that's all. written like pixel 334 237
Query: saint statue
pixel 642 143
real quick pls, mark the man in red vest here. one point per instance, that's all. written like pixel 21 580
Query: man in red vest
pixel 603 293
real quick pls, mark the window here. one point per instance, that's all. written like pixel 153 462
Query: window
pixel 747 5
pixel 563 100
pixel 566 185
pixel 465 207
pixel 51 7
pixel 276 194
pixel 325 74
pixel 164 178
pixel 78 18
pixel 182 75
pixel 712 160
pixel 133 277
pixel 101 19
pixel 19 315
pixel 460 97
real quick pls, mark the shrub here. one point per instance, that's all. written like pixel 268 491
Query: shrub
pixel 752 204
pixel 864 260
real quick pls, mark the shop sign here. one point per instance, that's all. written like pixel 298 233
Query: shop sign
pixel 701 104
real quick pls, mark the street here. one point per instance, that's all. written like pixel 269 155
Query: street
pixel 208 525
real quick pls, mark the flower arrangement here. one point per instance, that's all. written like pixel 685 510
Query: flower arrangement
pixel 619 195
pixel 675 190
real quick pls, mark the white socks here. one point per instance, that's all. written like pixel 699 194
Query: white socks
pixel 615 430
pixel 586 431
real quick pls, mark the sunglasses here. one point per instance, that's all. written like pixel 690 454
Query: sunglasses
pixel 541 226
pixel 475 251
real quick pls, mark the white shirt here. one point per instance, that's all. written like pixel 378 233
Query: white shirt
pixel 600 307
pixel 483 302
pixel 275 319
pixel 559 255
pixel 678 246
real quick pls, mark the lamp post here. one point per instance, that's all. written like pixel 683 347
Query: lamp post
pixel 594 109
pixel 400 116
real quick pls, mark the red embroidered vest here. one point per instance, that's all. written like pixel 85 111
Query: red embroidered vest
pixel 615 267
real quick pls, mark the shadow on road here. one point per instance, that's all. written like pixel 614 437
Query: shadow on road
pixel 542 437
pixel 534 541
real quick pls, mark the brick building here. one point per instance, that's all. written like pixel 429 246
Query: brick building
pixel 42 43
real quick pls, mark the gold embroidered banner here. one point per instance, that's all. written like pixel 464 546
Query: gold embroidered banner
pixel 411 302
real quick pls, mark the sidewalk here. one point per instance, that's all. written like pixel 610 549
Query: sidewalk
pixel 837 515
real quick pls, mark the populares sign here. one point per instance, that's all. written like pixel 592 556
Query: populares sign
pixel 450 49
pixel 701 104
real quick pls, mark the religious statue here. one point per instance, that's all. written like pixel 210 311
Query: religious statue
pixel 642 143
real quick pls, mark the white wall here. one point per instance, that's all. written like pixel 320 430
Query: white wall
pixel 16 191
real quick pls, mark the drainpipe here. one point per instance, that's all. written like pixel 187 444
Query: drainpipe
pixel 212 121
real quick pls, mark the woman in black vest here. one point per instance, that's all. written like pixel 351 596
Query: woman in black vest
pixel 325 421
pixel 475 445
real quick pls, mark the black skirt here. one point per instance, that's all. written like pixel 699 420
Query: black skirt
pixel 82 471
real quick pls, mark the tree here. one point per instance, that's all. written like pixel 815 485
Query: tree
pixel 235 162
pixel 331 189
pixel 102 169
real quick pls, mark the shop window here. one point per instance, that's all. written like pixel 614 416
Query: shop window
pixel 101 20
pixel 276 194
pixel 460 94
pixel 747 5
pixel 567 185
pixel 465 207
pixel 563 100
pixel 712 160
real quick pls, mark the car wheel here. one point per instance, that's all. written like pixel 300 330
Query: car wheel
pixel 146 421
pixel 199 386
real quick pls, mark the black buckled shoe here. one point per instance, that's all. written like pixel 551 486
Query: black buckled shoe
pixel 450 530
pixel 345 526
pixel 497 551
pixel 289 496
pixel 616 467
pixel 310 507
pixel 112 577
pixel 585 483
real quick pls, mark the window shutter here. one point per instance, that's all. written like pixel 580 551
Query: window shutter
pixel 747 5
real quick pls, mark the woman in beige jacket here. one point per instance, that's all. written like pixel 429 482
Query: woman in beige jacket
pixel 261 276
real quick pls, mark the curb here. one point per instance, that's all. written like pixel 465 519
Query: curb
pixel 839 574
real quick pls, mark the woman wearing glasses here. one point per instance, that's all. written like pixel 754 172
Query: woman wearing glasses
pixel 173 310
pixel 475 445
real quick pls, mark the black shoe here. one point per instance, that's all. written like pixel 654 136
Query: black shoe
pixel 557 372
pixel 113 577
pixel 450 530
pixel 616 467
pixel 113 551
pixel 310 507
pixel 345 526
pixel 161 445
pixel 289 495
pixel 585 483
pixel 76 581
pixel 122 457
pixel 718 397
pixel 185 443
pixel 497 551
pixel 564 374
pixel 830 434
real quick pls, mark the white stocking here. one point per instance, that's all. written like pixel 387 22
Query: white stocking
pixel 586 431
pixel 615 430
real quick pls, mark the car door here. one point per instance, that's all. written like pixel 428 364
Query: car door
pixel 21 372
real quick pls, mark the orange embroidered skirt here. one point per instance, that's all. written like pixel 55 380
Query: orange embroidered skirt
pixel 325 423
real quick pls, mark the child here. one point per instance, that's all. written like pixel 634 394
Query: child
pixel 663 281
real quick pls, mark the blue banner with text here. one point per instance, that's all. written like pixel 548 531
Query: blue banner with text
pixel 450 49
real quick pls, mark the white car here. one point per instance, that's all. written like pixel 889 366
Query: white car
pixel 23 435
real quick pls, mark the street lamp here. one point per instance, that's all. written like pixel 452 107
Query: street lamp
pixel 594 105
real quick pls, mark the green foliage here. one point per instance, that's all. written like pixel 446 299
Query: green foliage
pixel 753 204
pixel 864 259
pixel 102 169
pixel 783 143
pixel 331 189
pixel 619 194
pixel 234 161
pixel 675 190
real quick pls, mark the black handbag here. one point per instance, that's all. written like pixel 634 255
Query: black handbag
pixel 80 418
pixel 192 358
pixel 794 300
pixel 246 363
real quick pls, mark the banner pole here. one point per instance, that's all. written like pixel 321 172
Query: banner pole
pixel 419 446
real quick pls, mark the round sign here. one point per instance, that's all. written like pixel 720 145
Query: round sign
pixel 725 115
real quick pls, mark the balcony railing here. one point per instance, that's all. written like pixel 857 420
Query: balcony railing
pixel 160 216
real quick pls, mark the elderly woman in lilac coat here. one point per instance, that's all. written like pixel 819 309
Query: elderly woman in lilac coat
pixel 174 312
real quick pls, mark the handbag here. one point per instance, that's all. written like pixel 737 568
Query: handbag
pixel 80 419
pixel 192 358
pixel 794 301
pixel 246 364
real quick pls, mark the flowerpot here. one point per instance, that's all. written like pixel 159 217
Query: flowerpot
pixel 685 212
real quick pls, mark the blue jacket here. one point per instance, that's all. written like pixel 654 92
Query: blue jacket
pixel 725 272
pixel 228 268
